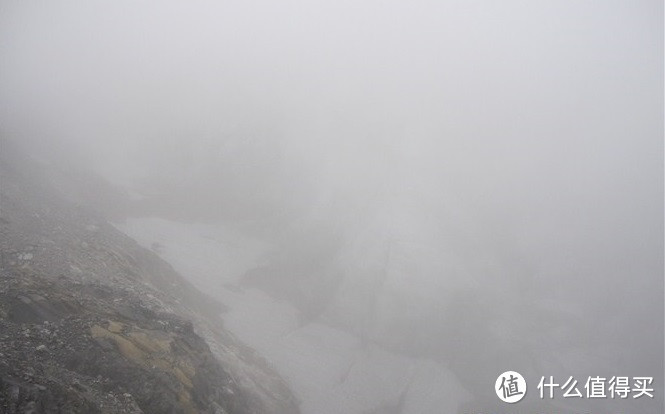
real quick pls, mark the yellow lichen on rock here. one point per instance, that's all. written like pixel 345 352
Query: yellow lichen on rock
pixel 154 342
pixel 151 349
pixel 125 346
pixel 183 378
pixel 115 327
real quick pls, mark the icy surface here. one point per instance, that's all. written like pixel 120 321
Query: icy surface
pixel 329 370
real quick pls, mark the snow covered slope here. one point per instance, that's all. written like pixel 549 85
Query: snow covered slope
pixel 329 369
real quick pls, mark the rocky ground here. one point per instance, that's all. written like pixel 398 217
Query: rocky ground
pixel 90 322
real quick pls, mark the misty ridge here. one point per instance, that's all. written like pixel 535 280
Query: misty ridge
pixel 395 202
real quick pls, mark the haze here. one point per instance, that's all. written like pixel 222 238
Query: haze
pixel 473 184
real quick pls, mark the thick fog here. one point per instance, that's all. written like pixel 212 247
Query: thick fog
pixel 475 183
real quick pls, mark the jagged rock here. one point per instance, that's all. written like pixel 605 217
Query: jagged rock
pixel 107 326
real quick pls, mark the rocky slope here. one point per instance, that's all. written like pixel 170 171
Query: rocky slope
pixel 90 322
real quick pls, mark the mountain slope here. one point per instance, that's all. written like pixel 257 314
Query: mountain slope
pixel 91 322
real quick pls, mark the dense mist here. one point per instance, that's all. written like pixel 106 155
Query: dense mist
pixel 478 184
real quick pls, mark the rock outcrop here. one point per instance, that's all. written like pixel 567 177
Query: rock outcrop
pixel 90 322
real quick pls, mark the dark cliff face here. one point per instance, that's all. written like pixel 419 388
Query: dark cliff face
pixel 92 323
